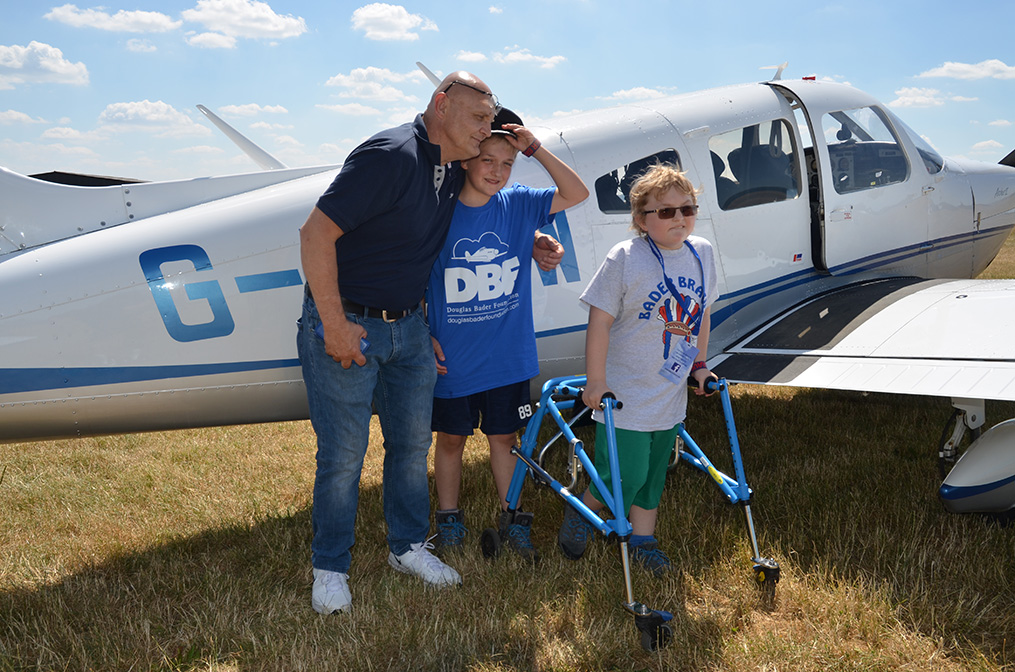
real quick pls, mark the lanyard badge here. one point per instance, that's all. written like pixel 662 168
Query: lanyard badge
pixel 679 354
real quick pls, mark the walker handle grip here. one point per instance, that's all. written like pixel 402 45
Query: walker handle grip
pixel 712 384
pixel 609 395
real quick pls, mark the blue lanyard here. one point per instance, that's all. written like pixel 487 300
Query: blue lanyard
pixel 685 302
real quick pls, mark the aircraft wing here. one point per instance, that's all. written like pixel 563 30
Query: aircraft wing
pixel 948 338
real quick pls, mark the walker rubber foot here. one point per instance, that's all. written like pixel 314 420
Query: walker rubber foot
pixel 489 542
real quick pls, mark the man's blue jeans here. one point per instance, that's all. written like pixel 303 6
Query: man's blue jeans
pixel 398 379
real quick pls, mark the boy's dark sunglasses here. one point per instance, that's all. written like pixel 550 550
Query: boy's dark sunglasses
pixel 493 98
pixel 670 213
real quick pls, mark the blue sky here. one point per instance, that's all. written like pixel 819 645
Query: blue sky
pixel 111 89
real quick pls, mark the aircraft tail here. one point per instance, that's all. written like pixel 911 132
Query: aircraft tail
pixel 434 79
pixel 262 158
pixel 1008 160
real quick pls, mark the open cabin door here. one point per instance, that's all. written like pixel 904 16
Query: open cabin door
pixel 870 212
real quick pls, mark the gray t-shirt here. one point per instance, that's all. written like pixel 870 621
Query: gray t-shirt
pixel 630 286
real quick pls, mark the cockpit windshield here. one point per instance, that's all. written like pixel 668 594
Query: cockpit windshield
pixel 932 160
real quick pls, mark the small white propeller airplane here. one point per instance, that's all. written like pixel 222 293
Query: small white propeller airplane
pixel 845 246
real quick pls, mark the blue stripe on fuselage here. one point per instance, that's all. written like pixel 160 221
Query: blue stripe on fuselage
pixel 13 381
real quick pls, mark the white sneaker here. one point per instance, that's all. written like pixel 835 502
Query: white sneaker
pixel 331 592
pixel 419 561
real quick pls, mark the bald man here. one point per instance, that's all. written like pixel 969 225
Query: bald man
pixel 367 249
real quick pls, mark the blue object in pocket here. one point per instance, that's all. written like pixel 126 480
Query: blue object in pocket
pixel 364 344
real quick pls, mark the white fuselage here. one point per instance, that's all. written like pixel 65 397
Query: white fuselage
pixel 188 317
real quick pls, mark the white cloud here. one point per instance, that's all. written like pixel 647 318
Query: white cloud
pixel 265 126
pixel 157 117
pixel 73 135
pixel 211 40
pixel 401 115
pixel 352 109
pixel 496 10
pixel 200 150
pixel 1003 123
pixel 15 117
pixel 36 154
pixel 917 97
pixel 62 133
pixel 244 18
pixel 140 46
pixel 516 54
pixel 287 141
pixel 121 22
pixel 987 146
pixel 636 93
pixel 830 78
pixel 374 84
pixel 384 22
pixel 38 62
pixel 559 114
pixel 992 68
pixel 252 109
pixel 470 56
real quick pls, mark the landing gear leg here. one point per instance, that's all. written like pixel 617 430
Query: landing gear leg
pixel 969 415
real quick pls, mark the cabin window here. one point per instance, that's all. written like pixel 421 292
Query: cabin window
pixel 755 165
pixel 613 188
pixel 863 151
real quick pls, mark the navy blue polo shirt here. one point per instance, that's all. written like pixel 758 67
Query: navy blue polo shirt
pixel 393 201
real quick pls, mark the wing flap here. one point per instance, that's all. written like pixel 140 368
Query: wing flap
pixel 953 338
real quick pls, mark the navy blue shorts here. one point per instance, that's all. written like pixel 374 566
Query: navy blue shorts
pixel 504 410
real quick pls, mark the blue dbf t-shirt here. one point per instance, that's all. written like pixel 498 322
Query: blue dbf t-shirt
pixel 480 294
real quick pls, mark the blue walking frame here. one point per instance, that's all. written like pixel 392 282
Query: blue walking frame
pixel 563 394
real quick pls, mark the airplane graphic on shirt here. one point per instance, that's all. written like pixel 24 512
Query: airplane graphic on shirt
pixel 486 249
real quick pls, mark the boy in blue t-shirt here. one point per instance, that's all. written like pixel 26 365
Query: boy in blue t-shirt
pixel 479 304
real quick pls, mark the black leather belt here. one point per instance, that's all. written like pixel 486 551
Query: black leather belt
pixel 376 313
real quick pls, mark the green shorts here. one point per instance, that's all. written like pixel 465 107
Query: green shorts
pixel 643 457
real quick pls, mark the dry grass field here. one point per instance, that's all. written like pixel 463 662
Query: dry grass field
pixel 190 551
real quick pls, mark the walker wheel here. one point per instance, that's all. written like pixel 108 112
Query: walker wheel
pixel 766 572
pixel 658 638
pixel 489 542
pixel 652 624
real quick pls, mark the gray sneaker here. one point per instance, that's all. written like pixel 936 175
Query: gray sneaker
pixel 574 533
pixel 419 561
pixel 451 530
pixel 651 558
pixel 331 592
pixel 516 531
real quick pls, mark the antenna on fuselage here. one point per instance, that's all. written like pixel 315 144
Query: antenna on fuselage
pixel 778 70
